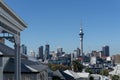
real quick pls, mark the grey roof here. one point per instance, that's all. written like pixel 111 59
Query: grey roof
pixel 10 67
pixel 27 66
pixel 8 52
pixel 35 64
pixel 62 75
pixel 59 74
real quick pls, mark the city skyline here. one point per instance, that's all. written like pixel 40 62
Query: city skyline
pixel 58 23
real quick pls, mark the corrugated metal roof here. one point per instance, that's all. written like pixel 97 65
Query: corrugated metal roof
pixel 10 67
pixel 35 64
pixel 72 73
pixel 27 66
pixel 8 52
pixel 77 75
pixel 59 74
pixel 62 75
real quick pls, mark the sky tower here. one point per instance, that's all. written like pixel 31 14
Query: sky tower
pixel 81 42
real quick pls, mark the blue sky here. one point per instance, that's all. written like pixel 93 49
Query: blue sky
pixel 57 22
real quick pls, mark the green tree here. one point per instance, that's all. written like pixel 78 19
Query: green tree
pixel 89 70
pixel 115 77
pixel 77 66
pixel 104 72
pixel 55 67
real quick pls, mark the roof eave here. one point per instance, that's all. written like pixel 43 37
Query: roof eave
pixel 11 12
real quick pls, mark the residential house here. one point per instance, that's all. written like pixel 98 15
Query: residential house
pixel 30 70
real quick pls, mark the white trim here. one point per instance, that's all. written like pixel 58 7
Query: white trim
pixel 10 19
pixel 6 30
pixel 9 9
pixel 9 24
pixel 32 69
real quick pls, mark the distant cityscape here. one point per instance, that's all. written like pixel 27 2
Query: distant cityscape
pixel 18 63
pixel 47 55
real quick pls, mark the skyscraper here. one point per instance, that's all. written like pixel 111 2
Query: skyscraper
pixel 59 51
pixel 78 52
pixel 105 50
pixel 40 51
pixel 23 49
pixel 47 51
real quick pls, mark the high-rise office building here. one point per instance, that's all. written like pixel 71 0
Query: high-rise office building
pixel 47 51
pixel 72 57
pixel 105 50
pixel 96 54
pixel 24 49
pixel 78 52
pixel 75 54
pixel 59 51
pixel 40 52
